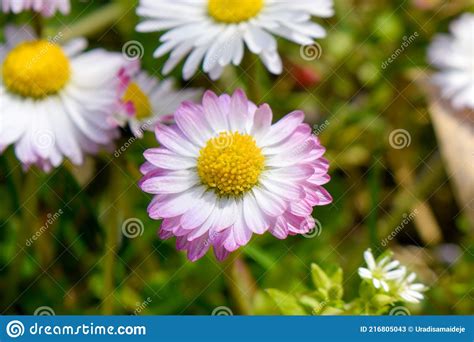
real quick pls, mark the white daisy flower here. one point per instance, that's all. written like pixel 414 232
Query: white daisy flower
pixel 381 272
pixel 145 101
pixel 55 102
pixel 215 32
pixel 409 291
pixel 454 56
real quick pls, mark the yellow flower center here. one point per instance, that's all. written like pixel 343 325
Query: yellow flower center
pixel 36 69
pixel 139 99
pixel 230 163
pixel 234 11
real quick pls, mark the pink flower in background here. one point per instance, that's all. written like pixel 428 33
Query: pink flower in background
pixel 224 172
pixel 47 8
pixel 145 100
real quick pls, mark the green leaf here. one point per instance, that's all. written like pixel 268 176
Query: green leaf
pixel 320 295
pixel 337 276
pixel 320 278
pixel 259 256
pixel 381 300
pixel 310 302
pixel 366 290
pixel 335 292
pixel 330 310
pixel 287 303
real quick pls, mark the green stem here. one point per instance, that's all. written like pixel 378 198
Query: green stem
pixel 374 188
pixel 112 226
pixel 97 21
pixel 7 164
pixel 251 66
pixel 29 204
pixel 38 24
pixel 240 283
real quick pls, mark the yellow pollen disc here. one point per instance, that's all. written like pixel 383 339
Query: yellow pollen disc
pixel 139 99
pixel 36 69
pixel 230 163
pixel 234 11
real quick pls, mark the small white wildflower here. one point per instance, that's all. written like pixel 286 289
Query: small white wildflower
pixel 382 272
pixel 409 291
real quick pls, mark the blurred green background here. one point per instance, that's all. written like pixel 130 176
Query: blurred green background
pixel 82 264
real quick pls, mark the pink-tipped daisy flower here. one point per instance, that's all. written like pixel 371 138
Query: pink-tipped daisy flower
pixel 145 100
pixel 224 172
pixel 46 8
